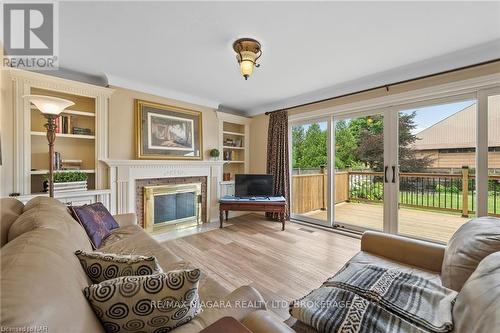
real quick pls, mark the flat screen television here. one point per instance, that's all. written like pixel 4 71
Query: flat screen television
pixel 247 185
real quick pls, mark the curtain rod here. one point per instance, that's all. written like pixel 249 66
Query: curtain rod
pixel 387 86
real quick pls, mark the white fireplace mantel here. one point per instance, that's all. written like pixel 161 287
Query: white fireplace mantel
pixel 124 173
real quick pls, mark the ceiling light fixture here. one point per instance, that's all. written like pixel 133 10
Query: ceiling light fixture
pixel 247 50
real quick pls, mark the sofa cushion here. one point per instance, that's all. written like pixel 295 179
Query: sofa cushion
pixel 10 210
pixel 96 220
pixel 93 212
pixel 477 307
pixel 106 266
pixel 146 303
pixel 42 282
pixel 472 242
pixel 50 214
pixel 44 202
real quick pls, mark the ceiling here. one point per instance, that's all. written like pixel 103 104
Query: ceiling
pixel 311 50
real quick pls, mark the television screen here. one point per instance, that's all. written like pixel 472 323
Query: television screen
pixel 254 185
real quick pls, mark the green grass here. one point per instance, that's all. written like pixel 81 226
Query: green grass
pixel 450 200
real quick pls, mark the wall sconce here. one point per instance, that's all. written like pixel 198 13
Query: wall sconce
pixel 247 50
pixel 50 107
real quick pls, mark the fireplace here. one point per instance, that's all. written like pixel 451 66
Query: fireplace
pixel 172 206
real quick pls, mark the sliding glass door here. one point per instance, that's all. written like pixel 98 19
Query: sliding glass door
pixel 309 171
pixel 437 163
pixel 420 169
pixel 359 171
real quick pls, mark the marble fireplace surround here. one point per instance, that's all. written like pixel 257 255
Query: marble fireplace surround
pixel 123 175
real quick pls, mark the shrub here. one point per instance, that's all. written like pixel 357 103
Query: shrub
pixel 367 189
pixel 67 176
pixel 214 153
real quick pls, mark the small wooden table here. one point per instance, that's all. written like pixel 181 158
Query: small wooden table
pixel 269 205
pixel 226 324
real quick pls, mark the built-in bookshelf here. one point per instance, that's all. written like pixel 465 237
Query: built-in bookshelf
pixel 81 137
pixel 234 140
pixel 75 138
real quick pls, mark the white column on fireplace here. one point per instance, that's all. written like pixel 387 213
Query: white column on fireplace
pixel 124 173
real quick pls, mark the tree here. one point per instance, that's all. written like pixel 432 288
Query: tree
pixel 408 159
pixel 345 145
pixel 315 149
pixel 298 137
pixel 371 143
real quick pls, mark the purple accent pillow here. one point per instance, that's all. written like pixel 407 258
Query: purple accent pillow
pixel 96 220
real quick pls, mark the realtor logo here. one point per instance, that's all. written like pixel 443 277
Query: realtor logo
pixel 29 35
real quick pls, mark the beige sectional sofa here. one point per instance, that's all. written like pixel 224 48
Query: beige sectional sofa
pixel 42 279
pixel 469 264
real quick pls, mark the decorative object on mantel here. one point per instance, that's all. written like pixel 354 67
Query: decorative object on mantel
pixel 51 108
pixel 69 181
pixel 247 50
pixel 167 132
pixel 215 153
pixel 226 176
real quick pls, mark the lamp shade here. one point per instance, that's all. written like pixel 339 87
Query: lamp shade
pixel 48 104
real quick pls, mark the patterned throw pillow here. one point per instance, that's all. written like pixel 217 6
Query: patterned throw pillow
pixel 96 220
pixel 106 266
pixel 153 304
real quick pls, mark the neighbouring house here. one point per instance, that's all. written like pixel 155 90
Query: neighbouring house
pixel 451 142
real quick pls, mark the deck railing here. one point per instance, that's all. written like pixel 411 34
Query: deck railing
pixel 436 191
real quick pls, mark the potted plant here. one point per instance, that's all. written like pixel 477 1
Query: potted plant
pixel 66 181
pixel 215 153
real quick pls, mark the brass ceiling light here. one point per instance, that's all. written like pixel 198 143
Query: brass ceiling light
pixel 247 50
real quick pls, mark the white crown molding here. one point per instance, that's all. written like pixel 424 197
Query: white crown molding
pixel 118 81
pixel 465 57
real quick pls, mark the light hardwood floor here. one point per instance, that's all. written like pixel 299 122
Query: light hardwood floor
pixel 282 265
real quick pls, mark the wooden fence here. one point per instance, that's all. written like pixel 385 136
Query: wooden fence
pixel 310 192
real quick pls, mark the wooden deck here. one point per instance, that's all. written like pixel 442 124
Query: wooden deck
pixel 438 226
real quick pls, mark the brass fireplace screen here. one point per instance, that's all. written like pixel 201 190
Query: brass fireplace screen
pixel 171 206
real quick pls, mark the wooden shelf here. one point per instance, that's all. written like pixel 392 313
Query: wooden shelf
pixel 44 172
pixel 64 135
pixel 231 147
pixel 233 133
pixel 73 112
pixel 234 162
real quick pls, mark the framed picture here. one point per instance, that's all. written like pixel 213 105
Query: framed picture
pixel 167 132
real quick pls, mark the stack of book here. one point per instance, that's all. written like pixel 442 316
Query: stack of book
pixel 71 164
pixel 63 124
pixel 82 131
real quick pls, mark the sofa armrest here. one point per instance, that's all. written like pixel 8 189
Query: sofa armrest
pixel 262 321
pixel 422 254
pixel 126 219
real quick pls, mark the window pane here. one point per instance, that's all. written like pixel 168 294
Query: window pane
pixel 437 157
pixel 494 155
pixel 309 177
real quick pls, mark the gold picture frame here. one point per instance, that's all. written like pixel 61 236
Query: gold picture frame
pixel 165 132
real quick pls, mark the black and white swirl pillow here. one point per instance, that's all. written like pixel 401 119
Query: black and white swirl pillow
pixel 106 266
pixel 153 303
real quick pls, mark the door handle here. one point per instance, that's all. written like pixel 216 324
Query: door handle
pixel 393 174
pixel 385 174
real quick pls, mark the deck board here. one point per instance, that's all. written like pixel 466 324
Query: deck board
pixel 438 226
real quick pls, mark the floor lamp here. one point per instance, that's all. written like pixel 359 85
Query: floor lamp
pixel 51 108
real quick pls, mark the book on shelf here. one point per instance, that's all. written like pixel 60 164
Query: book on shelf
pixel 82 131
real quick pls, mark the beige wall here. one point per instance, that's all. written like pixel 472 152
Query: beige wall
pixel 258 143
pixel 121 122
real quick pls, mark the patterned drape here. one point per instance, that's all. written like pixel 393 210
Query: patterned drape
pixel 277 156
